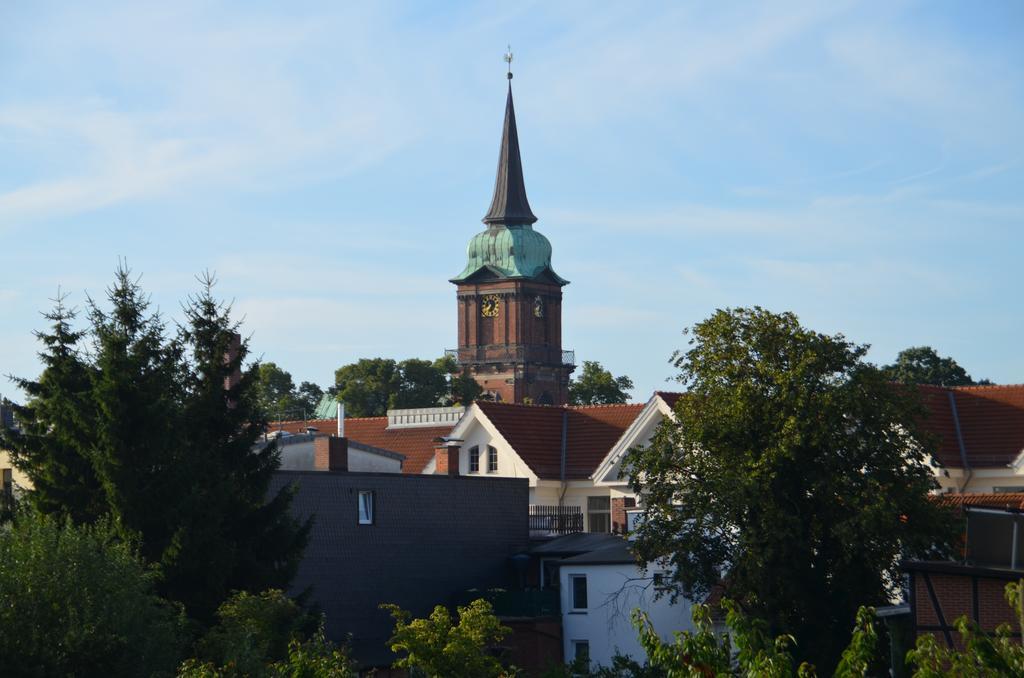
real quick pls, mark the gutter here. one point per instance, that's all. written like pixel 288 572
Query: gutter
pixel 960 442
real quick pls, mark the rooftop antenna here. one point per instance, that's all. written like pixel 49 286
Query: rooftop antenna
pixel 508 60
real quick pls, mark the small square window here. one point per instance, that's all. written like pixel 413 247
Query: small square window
pixel 581 650
pixel 474 459
pixel 366 507
pixel 492 459
pixel 663 581
pixel 578 591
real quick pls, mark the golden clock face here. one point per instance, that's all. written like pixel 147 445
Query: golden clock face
pixel 489 306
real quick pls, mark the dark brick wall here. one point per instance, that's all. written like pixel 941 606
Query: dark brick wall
pixel 619 520
pixel 432 536
pixel 968 592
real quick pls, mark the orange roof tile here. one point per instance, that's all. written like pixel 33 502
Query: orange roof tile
pixel 1010 500
pixel 991 423
pixel 535 433
pixel 415 443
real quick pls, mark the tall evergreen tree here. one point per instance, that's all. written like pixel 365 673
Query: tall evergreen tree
pixel 138 450
pixel 231 536
pixel 53 439
pixel 150 430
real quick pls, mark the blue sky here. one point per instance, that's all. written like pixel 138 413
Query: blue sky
pixel 860 164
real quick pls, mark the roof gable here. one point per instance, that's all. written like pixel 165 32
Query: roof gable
pixel 657 408
pixel 991 420
pixel 534 432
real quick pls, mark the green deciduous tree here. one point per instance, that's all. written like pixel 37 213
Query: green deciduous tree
pixel 440 648
pixel 307 397
pixel 275 391
pixel 421 383
pixel 253 631
pixel 792 467
pixel 279 398
pixel 922 365
pixel 77 600
pixel 597 386
pixel 372 386
pixel 746 648
pixel 366 386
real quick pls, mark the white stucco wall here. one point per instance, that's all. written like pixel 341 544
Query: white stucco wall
pixel 611 598
pixel 300 456
pixel 509 463
pixel 980 480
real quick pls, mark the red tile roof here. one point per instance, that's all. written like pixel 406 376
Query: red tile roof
pixel 1010 500
pixel 535 433
pixel 991 423
pixel 670 397
pixel 416 443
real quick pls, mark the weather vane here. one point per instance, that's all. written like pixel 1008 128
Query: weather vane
pixel 508 60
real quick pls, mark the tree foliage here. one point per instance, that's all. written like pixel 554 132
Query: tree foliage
pixel 141 428
pixel 922 365
pixel 439 648
pixel 78 600
pixel 279 398
pixel 257 635
pixel 792 467
pixel 57 417
pixel 372 386
pixel 316 657
pixel 597 386
pixel 746 648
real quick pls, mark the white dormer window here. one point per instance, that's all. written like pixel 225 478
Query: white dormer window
pixel 366 507
pixel 474 459
pixel 492 459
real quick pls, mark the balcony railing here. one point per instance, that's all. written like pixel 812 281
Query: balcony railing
pixel 505 354
pixel 519 604
pixel 555 520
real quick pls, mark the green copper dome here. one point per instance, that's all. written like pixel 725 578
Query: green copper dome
pixel 514 251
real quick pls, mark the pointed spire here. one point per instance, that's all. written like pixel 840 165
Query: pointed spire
pixel 509 204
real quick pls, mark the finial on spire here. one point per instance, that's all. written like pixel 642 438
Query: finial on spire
pixel 508 60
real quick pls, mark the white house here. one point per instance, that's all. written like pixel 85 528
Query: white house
pixel 600 585
pixel 560 451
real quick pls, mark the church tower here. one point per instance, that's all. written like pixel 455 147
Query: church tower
pixel 509 297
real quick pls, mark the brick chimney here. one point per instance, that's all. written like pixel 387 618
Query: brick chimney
pixel 330 453
pixel 230 356
pixel 446 456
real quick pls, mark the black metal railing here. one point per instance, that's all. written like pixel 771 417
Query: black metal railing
pixel 503 354
pixel 519 604
pixel 556 520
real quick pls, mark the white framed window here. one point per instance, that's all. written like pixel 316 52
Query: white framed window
pixel 578 592
pixel 474 459
pixel 366 507
pixel 581 650
pixel 599 514
pixel 492 459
